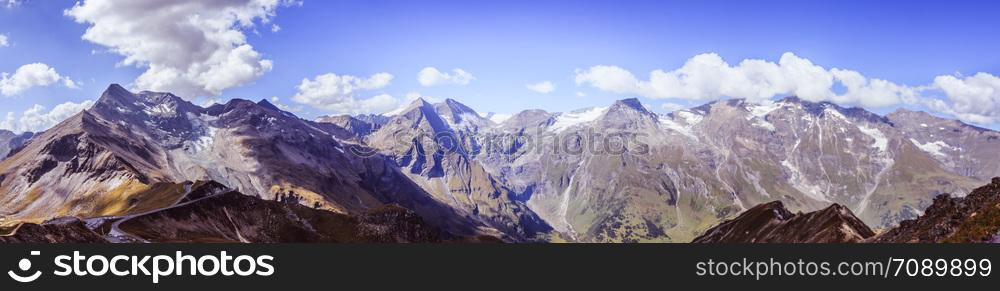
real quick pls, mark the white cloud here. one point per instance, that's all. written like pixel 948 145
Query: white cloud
pixel 31 75
pixel 36 119
pixel 581 94
pixel 275 28
pixel 378 104
pixel 190 47
pixel 544 87
pixel 671 107
pixel 709 77
pixel 499 117
pixel 431 76
pixel 337 93
pixel 3 40
pixel 12 3
pixel 975 98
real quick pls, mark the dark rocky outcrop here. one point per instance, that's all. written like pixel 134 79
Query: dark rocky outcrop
pixel 971 219
pixel 234 217
pixel 68 230
pixel 772 223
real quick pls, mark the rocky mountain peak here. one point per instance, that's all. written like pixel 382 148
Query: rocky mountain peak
pixel 772 223
pixel 629 104
pixel 418 103
pixel 459 108
pixel 114 96
pixel 457 113
pixel 267 104
pixel 118 103
pixel 628 114
pixel 531 118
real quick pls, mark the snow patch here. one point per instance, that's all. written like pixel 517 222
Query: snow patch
pixel 161 109
pixel 764 124
pixel 570 119
pixel 686 130
pixel 690 118
pixel 758 112
pixel 836 113
pixel 933 148
pixel 500 117
pixel 203 142
pixel 799 182
pixel 881 142
pixel 765 108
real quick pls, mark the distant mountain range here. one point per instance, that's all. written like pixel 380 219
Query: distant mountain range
pixel 619 173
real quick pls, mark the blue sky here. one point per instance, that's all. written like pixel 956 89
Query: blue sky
pixel 506 45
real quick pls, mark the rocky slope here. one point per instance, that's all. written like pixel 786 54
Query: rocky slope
pixel 772 223
pixel 115 158
pixel 70 230
pixel 624 174
pixel 971 219
pixel 235 218
pixel 209 212
pixel 434 145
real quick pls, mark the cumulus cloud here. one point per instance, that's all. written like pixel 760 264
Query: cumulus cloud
pixel 29 76
pixel 974 98
pixel 499 117
pixel 709 77
pixel 544 87
pixel 431 76
pixel 37 119
pixel 337 93
pixel 3 40
pixel 189 47
pixel 377 104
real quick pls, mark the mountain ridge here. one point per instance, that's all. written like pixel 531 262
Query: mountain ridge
pixel 619 173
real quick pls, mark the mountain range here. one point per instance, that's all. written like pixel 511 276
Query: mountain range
pixel 619 173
